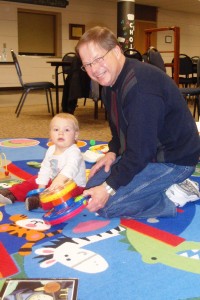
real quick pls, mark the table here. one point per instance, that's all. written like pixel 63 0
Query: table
pixel 58 64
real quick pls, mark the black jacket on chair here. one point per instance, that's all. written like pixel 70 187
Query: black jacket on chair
pixel 77 85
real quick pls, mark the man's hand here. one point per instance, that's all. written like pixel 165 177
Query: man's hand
pixel 106 161
pixel 98 197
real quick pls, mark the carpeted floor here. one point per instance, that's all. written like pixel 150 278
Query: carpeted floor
pixel 34 118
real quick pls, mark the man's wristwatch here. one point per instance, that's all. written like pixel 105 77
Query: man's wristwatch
pixel 110 190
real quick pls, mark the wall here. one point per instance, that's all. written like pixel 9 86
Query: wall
pixel 189 33
pixel 90 13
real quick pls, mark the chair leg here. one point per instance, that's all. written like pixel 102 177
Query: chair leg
pixel 47 97
pixel 84 101
pixel 96 106
pixel 198 106
pixel 106 116
pixel 51 102
pixel 21 103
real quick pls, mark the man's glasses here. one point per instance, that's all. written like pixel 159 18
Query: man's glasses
pixel 96 61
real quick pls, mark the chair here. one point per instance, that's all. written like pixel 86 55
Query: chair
pixel 154 57
pixel 66 69
pixel 186 71
pixel 76 85
pixel 194 63
pixel 133 53
pixel 194 59
pixel 27 87
pixel 194 92
pixel 95 95
pixel 69 57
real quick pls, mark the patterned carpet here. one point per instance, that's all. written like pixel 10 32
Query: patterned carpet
pixel 155 258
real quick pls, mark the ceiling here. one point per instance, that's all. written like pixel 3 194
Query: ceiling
pixel 190 6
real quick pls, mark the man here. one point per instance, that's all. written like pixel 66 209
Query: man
pixel 155 144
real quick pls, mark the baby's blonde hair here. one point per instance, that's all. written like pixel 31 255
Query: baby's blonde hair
pixel 67 117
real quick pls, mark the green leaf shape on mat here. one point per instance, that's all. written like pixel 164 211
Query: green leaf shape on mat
pixel 34 164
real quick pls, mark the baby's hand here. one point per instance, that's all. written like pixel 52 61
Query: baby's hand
pixel 55 185
pixel 58 182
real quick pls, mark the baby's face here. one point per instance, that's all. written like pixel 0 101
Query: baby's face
pixel 63 133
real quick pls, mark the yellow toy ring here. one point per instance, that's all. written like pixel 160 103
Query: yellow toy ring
pixel 49 196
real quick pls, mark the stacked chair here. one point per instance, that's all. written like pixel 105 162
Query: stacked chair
pixel 133 53
pixel 186 71
pixel 153 57
pixel 194 92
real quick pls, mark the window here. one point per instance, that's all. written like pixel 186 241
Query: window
pixel 37 33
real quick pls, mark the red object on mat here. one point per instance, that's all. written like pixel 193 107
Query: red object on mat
pixel 18 172
pixel 7 265
pixel 156 233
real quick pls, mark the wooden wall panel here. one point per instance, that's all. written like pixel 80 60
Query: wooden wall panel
pixel 140 36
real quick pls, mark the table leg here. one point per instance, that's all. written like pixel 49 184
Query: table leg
pixel 57 89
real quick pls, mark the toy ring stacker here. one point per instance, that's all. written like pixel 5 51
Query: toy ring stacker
pixel 35 192
pixel 65 206
pixel 58 196
pixel 61 214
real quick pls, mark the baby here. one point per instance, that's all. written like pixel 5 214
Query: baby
pixel 63 161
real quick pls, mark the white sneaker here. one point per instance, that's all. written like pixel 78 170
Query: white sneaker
pixel 184 192
pixel 4 200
